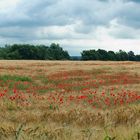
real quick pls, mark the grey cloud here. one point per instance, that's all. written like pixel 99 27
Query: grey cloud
pixel 137 1
pixel 33 13
pixel 44 13
pixel 16 33
pixel 125 33
pixel 23 21
pixel 65 12
pixel 129 15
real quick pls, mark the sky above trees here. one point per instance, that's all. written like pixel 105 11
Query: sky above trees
pixel 75 24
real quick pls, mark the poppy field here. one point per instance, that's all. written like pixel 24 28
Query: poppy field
pixel 69 100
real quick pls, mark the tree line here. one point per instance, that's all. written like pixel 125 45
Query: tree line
pixel 33 52
pixel 55 52
pixel 103 55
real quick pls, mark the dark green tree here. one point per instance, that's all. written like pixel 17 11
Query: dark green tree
pixel 112 56
pixel 122 55
pixel 57 53
pixel 33 52
pixel 90 55
pixel 137 57
pixel 131 56
pixel 103 54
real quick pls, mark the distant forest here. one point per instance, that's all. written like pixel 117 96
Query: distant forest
pixel 109 55
pixel 33 52
pixel 55 52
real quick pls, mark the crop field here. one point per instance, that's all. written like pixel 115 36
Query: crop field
pixel 69 100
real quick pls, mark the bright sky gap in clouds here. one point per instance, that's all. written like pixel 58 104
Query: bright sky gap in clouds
pixel 75 24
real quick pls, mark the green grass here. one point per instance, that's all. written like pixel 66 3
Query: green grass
pixel 15 78
pixel 15 81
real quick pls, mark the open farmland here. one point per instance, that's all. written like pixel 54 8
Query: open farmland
pixel 64 100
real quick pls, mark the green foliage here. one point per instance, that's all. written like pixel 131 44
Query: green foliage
pixel 33 52
pixel 103 55
pixel 122 56
pixel 5 78
pixel 131 56
pixel 137 57
pixel 90 55
pixel 55 52
pixel 18 132
pixel 110 55
pixel 107 137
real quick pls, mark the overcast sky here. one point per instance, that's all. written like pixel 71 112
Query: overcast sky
pixel 75 24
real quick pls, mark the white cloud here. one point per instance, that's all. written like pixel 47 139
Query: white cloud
pixel 8 4
pixel 76 25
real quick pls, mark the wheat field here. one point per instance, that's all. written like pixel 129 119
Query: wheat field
pixel 69 100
